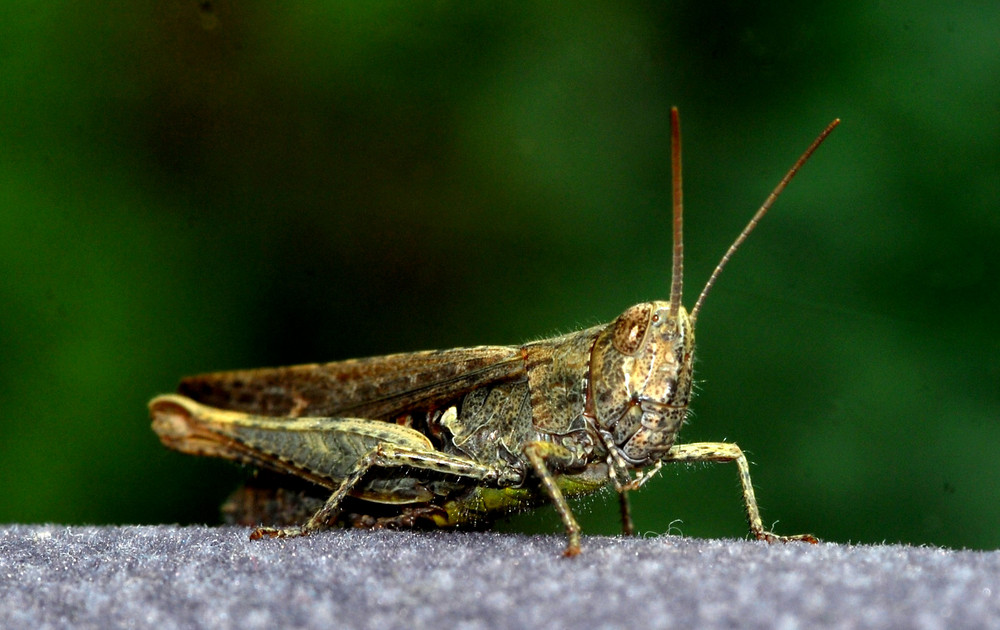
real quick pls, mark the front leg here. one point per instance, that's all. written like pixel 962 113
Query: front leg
pixel 622 481
pixel 727 452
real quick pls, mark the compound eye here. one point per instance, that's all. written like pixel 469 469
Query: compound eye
pixel 631 328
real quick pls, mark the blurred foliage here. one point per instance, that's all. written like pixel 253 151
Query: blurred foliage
pixel 194 186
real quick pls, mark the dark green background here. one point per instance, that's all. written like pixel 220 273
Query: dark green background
pixel 187 187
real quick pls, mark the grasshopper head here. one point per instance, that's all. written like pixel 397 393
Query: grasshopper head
pixel 640 366
pixel 640 379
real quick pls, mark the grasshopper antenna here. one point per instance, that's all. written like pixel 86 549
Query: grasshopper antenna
pixel 677 274
pixel 750 226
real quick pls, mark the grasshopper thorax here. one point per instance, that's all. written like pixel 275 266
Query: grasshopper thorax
pixel 640 379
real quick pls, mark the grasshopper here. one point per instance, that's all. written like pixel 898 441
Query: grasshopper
pixel 457 437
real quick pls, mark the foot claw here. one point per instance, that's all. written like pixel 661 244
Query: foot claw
pixel 771 537
pixel 276 532
pixel 571 551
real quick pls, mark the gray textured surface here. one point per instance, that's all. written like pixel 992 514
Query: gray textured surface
pixel 188 577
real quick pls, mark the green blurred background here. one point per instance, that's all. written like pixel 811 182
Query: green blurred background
pixel 188 187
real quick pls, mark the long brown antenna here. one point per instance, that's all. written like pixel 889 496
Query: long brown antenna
pixel 753 221
pixel 677 275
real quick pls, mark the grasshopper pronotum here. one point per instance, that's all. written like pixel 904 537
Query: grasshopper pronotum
pixel 456 437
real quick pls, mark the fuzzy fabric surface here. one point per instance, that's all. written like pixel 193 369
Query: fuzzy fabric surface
pixel 214 577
